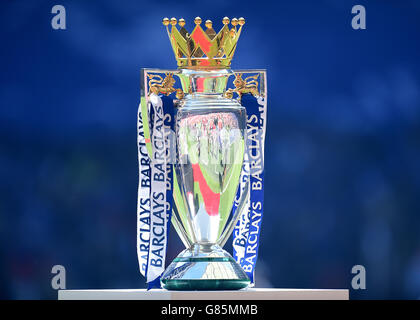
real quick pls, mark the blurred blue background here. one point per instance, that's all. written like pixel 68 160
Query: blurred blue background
pixel 342 146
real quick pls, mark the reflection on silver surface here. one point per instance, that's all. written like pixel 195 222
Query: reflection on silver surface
pixel 211 149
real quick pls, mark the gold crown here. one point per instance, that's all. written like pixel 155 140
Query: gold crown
pixel 204 49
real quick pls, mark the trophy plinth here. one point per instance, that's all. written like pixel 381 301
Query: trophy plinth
pixel 204 267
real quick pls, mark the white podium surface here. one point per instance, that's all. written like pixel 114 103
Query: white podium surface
pixel 247 294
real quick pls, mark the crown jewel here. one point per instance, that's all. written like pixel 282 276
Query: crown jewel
pixel 204 49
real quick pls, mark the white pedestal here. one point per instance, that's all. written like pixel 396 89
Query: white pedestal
pixel 247 294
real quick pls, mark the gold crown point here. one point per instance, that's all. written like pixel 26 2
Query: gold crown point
pixel 165 21
pixel 219 47
pixel 209 24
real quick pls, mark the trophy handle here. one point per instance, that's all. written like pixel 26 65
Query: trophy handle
pixel 156 81
pixel 229 228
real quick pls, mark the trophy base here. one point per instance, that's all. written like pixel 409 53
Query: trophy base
pixel 204 267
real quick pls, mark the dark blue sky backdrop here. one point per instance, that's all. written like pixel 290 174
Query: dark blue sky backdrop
pixel 342 146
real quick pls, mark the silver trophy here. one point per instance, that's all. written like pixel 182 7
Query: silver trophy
pixel 210 134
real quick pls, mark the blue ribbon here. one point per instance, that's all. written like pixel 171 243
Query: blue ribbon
pixel 255 153
pixel 169 122
pixel 168 111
